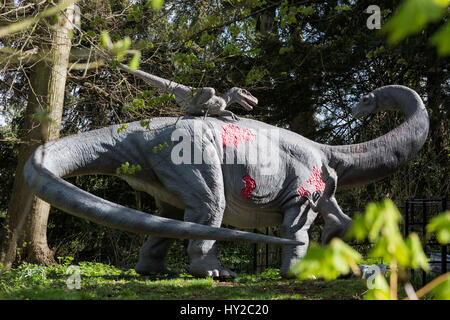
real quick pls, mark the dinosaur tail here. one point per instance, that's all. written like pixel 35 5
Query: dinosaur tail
pixel 51 161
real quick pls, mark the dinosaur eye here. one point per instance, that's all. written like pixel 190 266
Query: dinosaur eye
pixel 365 99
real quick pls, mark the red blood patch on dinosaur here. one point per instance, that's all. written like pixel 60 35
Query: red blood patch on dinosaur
pixel 250 185
pixel 233 135
pixel 303 192
pixel 315 181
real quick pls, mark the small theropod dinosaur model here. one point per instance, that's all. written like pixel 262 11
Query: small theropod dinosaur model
pixel 199 101
pixel 219 178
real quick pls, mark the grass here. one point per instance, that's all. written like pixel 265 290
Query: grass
pixel 104 282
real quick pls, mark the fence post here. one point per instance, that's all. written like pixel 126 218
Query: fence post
pixel 444 247
pixel 406 227
pixel 424 224
pixel 255 255
pixel 267 249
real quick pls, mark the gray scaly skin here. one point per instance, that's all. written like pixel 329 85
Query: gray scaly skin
pixel 207 195
pixel 200 101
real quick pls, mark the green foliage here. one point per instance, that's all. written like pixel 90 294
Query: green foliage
pixel 288 14
pixel 440 40
pixel 134 62
pixel 122 127
pixel 126 169
pixel 344 7
pixel 156 4
pixel 160 147
pixel 379 225
pixel 327 263
pixel 119 49
pixel 442 290
pixel 284 50
pixel 255 75
pixel 441 226
pixel 65 261
pixel 413 15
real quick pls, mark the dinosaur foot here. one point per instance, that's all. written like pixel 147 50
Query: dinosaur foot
pixel 152 267
pixel 205 269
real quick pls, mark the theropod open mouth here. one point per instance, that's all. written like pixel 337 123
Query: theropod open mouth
pixel 249 101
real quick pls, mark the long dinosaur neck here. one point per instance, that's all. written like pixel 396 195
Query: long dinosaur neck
pixel 362 163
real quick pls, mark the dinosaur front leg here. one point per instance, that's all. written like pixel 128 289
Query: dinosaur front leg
pixel 296 223
pixel 152 255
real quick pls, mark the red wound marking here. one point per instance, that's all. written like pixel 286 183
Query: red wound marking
pixel 233 135
pixel 315 181
pixel 303 192
pixel 250 185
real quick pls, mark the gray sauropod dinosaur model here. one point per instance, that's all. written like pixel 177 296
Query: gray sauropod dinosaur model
pixel 199 101
pixel 219 178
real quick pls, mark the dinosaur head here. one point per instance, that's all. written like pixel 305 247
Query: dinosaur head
pixel 366 105
pixel 244 98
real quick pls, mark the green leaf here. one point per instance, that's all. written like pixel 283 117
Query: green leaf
pixel 327 263
pixel 306 10
pixel 441 225
pixel 105 40
pixel 441 40
pixel 157 4
pixel 134 62
pixel 358 229
pixel 442 291
pixel 341 8
pixel 123 127
pixel 382 218
pixel 120 47
pixel 284 50
pixel 418 259
pixel 413 16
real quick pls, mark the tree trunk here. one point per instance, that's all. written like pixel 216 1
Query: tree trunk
pixel 46 94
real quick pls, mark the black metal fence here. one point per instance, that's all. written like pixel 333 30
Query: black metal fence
pixel 416 212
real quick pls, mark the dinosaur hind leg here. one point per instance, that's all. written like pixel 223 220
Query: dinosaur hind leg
pixel 153 252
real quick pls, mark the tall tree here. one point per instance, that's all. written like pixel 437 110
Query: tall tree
pixel 45 99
